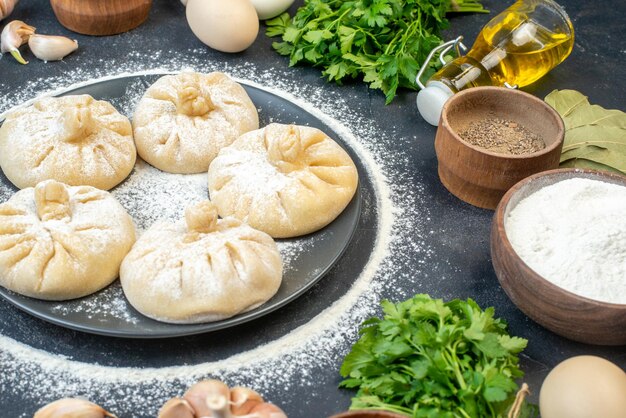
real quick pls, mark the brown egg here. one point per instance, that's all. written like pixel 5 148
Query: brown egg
pixel 225 25
pixel 584 387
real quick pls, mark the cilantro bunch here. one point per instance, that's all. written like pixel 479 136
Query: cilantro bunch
pixel 383 41
pixel 427 358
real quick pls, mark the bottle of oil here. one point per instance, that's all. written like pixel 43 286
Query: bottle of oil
pixel 516 48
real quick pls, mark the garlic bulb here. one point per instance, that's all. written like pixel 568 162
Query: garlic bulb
pixel 72 408
pixel 198 394
pixel 265 410
pixel 14 35
pixel 243 400
pixel 212 398
pixel 176 408
pixel 51 48
pixel 6 7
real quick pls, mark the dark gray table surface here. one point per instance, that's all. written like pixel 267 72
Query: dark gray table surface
pixel 458 247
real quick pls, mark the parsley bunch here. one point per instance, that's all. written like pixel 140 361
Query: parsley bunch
pixel 383 41
pixel 427 358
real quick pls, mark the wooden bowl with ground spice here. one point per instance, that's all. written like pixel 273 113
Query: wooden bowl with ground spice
pixel 489 138
pixel 99 17
pixel 558 247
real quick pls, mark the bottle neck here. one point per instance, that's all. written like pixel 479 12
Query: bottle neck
pixel 465 72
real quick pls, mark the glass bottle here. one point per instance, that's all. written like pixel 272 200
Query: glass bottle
pixel 516 48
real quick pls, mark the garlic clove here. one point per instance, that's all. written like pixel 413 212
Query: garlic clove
pixel 51 48
pixel 72 408
pixel 219 406
pixel 265 410
pixel 14 35
pixel 6 7
pixel 176 408
pixel 198 394
pixel 242 400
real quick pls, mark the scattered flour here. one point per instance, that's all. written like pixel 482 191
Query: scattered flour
pixel 150 195
pixel 106 305
pixel 287 361
pixel 573 233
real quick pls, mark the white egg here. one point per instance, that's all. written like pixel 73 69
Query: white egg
pixel 225 25
pixel 267 9
pixel 584 387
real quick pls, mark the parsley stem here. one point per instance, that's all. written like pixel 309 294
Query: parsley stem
pixel 448 356
pixel 462 412
pixel 417 25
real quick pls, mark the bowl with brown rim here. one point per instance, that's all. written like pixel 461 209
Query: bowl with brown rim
pixel 101 17
pixel 565 313
pixel 368 414
pixel 481 177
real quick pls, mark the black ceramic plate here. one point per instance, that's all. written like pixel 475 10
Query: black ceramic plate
pixel 309 258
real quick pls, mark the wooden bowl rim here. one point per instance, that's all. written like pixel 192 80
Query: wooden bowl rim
pixel 491 90
pixel 536 277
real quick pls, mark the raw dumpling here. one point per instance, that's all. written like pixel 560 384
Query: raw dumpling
pixel 183 120
pixel 285 180
pixel 72 139
pixel 59 242
pixel 201 271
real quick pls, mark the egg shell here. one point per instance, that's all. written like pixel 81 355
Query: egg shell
pixel 225 25
pixel 267 9
pixel 584 387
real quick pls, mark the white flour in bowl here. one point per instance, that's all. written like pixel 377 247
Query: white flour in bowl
pixel 573 234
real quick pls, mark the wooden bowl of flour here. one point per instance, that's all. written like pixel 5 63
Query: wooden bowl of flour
pixel 565 313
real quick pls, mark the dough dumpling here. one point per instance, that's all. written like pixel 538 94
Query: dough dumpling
pixel 72 139
pixel 285 180
pixel 59 242
pixel 203 270
pixel 183 120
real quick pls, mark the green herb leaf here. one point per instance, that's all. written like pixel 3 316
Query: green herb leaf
pixel 594 137
pixel 384 42
pixel 283 48
pixel 428 358
pixel 277 25
pixel 512 344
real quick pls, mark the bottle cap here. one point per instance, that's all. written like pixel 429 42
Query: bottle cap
pixel 431 99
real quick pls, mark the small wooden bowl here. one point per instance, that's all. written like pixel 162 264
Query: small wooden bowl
pixel 564 313
pixel 368 414
pixel 101 17
pixel 481 177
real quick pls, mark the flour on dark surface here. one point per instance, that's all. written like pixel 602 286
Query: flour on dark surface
pixel 288 361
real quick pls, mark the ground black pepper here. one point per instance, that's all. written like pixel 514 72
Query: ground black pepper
pixel 502 136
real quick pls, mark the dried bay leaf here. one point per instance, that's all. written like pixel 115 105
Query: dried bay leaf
pixel 566 101
pixel 584 163
pixel 598 155
pixel 599 136
pixel 594 115
pixel 594 137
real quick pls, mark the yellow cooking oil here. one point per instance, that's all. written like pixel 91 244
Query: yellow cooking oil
pixel 513 48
